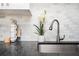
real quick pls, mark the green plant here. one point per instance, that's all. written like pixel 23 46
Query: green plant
pixel 40 28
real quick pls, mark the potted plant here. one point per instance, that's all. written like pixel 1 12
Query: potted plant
pixel 40 28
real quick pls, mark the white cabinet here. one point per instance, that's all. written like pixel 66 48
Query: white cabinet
pixel 15 9
pixel 14 6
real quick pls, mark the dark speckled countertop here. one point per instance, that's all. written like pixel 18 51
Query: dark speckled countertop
pixel 62 42
pixel 27 48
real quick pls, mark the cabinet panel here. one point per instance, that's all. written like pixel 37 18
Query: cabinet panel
pixel 14 6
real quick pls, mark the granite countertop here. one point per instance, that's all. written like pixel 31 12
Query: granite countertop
pixel 62 42
pixel 26 48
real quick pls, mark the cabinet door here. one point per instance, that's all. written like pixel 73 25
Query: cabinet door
pixel 3 5
pixel 14 6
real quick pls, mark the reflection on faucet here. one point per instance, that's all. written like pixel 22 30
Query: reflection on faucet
pixel 58 30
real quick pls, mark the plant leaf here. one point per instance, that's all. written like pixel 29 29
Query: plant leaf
pixel 38 29
pixel 36 33
pixel 36 26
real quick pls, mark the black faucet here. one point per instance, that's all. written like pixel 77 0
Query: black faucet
pixel 58 30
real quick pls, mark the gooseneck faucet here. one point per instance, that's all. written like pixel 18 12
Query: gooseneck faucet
pixel 58 30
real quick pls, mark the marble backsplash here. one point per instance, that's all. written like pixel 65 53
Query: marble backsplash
pixel 66 13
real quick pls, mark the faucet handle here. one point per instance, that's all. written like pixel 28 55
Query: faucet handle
pixel 62 37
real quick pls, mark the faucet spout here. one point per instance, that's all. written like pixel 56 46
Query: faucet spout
pixel 58 30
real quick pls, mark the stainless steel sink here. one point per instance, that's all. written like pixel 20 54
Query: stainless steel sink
pixel 62 47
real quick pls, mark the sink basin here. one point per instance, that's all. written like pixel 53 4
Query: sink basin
pixel 62 47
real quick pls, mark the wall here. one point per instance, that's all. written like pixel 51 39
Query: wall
pixel 67 15
pixel 5 28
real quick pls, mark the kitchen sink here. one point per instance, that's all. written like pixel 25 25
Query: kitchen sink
pixel 61 47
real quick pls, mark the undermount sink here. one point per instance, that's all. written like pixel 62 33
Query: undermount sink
pixel 58 46
pixel 61 47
